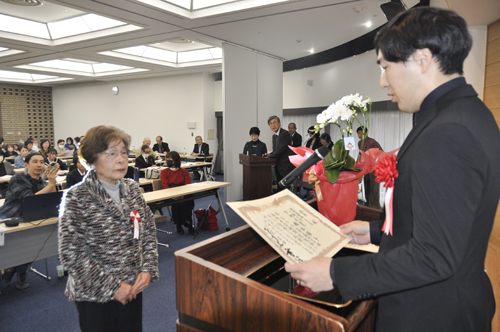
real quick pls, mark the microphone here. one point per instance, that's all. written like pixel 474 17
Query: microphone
pixel 319 154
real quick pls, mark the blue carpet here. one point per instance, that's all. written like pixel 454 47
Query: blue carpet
pixel 44 307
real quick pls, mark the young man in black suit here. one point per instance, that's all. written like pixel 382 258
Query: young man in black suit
pixel 281 140
pixel 429 272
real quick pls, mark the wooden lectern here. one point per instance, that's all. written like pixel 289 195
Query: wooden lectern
pixel 215 294
pixel 257 176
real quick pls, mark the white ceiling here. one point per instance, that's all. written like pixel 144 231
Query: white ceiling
pixel 284 30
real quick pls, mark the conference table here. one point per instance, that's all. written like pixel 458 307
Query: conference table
pixel 36 240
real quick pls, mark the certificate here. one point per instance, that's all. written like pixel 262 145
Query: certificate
pixel 294 229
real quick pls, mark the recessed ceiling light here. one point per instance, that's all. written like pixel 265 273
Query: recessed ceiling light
pixel 311 50
pixel 368 24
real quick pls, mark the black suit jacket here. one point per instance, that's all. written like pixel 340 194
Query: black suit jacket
pixel 140 162
pixel 429 276
pixel 316 145
pixel 74 177
pixel 281 152
pixel 164 148
pixel 296 140
pixel 204 149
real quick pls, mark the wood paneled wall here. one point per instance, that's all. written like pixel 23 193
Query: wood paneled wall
pixel 492 100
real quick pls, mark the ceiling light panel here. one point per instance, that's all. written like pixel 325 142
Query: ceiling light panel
pixel 192 56
pixel 65 65
pixel 97 22
pixel 23 27
pixel 163 55
pixel 71 27
pixel 107 67
pixel 134 50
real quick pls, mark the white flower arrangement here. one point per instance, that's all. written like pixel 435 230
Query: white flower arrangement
pixel 345 110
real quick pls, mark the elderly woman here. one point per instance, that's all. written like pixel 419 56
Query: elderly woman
pixel 175 176
pixel 107 237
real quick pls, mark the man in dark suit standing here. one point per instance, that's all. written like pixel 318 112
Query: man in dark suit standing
pixel 281 151
pixel 160 146
pixel 429 272
pixel 296 137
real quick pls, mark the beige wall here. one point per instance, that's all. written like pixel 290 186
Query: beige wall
pixel 146 107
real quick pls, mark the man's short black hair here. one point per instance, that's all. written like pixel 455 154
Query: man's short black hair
pixel 255 130
pixel 52 150
pixel 442 31
pixel 59 141
pixel 294 125
pixel 144 147
pixel 31 155
pixel 361 129
pixel 161 138
pixel 273 117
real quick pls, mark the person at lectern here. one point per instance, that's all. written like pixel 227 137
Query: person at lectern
pixel 107 237
pixel 255 147
pixel 429 273
pixel 281 140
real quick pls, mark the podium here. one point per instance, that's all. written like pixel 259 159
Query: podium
pixel 257 176
pixel 215 292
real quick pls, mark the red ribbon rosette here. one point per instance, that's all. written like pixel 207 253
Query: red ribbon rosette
pixel 385 171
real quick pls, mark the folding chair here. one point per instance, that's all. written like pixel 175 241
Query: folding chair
pixel 160 217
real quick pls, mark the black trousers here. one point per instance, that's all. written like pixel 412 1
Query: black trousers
pixel 110 316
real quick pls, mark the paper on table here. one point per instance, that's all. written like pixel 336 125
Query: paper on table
pixel 293 228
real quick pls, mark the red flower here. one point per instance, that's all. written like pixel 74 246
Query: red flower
pixel 385 171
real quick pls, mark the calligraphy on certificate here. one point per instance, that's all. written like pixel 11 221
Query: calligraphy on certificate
pixel 293 228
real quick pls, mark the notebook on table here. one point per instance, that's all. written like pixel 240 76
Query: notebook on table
pixel 43 206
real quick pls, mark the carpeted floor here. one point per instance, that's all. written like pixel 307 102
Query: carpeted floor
pixel 44 307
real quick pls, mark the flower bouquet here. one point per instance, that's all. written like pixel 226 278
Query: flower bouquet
pixel 336 178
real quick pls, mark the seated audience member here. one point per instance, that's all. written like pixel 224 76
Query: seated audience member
pixel 200 148
pixel 69 144
pixel 76 175
pixel 255 147
pixel 10 151
pixel 52 159
pixel 1 144
pixel 5 166
pixel 29 145
pixel 160 146
pixel 144 160
pixel 175 176
pixel 313 142
pixel 61 151
pixel 16 147
pixel 19 161
pixel 77 142
pixel 326 140
pixel 146 141
pixel 20 186
pixel 5 169
pixel 44 147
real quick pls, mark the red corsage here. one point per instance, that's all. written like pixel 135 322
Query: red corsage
pixel 385 171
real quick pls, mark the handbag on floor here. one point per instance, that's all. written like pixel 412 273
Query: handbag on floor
pixel 210 217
